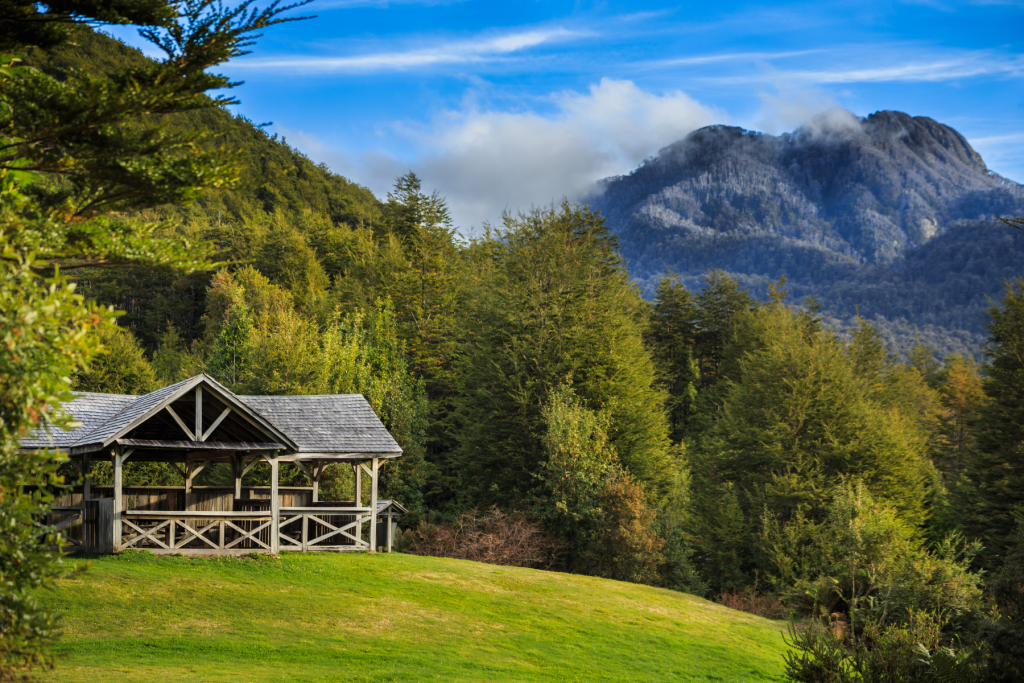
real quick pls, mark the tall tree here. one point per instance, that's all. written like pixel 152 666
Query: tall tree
pixel 554 304
pixel 996 471
pixel 78 158
pixel 672 337
pixel 801 417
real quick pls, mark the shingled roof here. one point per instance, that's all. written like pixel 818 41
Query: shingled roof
pixel 326 425
pixel 339 423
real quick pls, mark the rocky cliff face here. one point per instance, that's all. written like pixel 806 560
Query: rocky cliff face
pixel 838 206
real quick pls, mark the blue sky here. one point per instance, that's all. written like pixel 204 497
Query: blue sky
pixel 511 103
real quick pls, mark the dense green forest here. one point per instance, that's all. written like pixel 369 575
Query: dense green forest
pixel 715 440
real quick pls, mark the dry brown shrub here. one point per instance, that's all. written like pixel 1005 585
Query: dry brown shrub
pixel 494 537
pixel 749 600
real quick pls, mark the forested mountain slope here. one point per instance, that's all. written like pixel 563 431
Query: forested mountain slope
pixel 891 213
pixel 281 186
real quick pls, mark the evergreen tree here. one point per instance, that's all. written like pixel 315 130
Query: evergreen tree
pixel 801 417
pixel 554 302
pixel 121 367
pixel 79 156
pixel 672 338
pixel 995 473
pixel 717 305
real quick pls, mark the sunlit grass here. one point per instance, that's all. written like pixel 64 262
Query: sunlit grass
pixel 349 617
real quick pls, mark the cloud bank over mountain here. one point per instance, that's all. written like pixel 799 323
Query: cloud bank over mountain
pixel 484 161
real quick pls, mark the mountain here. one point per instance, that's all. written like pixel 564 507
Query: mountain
pixel 889 214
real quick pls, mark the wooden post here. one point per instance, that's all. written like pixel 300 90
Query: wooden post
pixel 318 469
pixel 373 505
pixel 86 478
pixel 238 461
pixel 358 497
pixel 389 531
pixel 189 473
pixel 118 509
pixel 275 508
pixel 199 414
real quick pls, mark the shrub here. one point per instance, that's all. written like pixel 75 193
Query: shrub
pixel 914 651
pixel 749 600
pixel 494 537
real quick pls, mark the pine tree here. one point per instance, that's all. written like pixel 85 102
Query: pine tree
pixel 672 339
pixel 995 473
pixel 554 303
pixel 801 416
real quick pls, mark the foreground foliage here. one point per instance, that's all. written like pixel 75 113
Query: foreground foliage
pixel 79 156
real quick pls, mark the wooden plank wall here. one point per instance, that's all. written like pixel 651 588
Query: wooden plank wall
pixel 213 498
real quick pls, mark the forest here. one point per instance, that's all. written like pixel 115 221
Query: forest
pixel 714 440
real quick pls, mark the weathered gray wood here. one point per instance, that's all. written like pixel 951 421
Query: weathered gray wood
pixel 373 505
pixel 216 423
pixel 358 497
pixel 181 423
pixel 198 434
pixel 275 508
pixel 195 514
pixel 318 470
pixel 390 532
pixel 236 463
pixel 179 445
pixel 87 478
pixel 118 503
pixel 180 471
pixel 98 525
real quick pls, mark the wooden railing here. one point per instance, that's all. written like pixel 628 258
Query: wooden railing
pixel 240 532
pixel 322 528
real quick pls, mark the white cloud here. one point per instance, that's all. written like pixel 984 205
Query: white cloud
pixel 790 107
pixel 732 57
pixel 447 52
pixel 484 162
pixel 898 70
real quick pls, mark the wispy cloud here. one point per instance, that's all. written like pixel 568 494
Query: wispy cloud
pixel 732 57
pixel 381 4
pixel 898 71
pixel 455 52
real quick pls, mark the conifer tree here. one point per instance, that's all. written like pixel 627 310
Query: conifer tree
pixel 995 473
pixel 79 156
pixel 672 338
pixel 554 303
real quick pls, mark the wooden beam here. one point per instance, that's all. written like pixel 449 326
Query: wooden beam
pixel 86 478
pixel 305 470
pixel 181 423
pixel 358 497
pixel 199 414
pixel 251 464
pixel 318 470
pixel 275 509
pixel 237 462
pixel 373 505
pixel 118 502
pixel 216 423
pixel 389 532
pixel 180 471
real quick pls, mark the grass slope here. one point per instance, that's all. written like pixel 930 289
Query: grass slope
pixel 349 617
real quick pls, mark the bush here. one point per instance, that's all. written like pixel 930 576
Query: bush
pixel 494 537
pixel 912 652
pixel 749 600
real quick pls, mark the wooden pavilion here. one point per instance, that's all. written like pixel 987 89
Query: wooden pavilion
pixel 197 422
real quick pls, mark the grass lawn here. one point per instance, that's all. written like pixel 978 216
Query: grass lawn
pixel 359 617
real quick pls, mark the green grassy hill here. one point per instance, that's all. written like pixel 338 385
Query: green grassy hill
pixel 348 617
